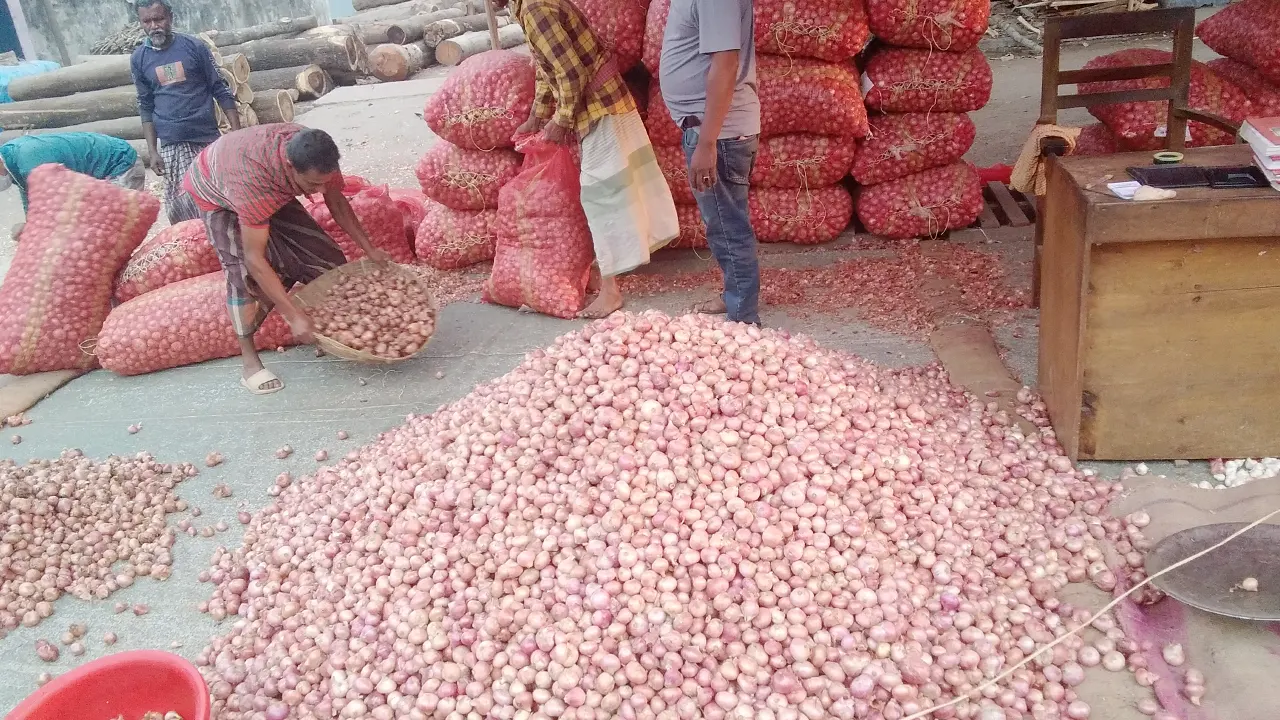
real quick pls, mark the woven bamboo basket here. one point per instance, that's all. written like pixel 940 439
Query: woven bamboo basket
pixel 317 291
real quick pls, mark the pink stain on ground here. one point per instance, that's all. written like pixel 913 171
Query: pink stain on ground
pixel 1152 627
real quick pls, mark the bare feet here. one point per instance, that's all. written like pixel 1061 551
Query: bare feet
pixel 711 307
pixel 605 304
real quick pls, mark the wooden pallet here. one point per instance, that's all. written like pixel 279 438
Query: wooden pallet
pixel 1004 207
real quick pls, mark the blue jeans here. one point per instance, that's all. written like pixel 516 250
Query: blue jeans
pixel 729 233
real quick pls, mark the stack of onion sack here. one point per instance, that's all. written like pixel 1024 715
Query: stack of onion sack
pixel 181 323
pixel 176 253
pixel 811 118
pixel 383 312
pixel 1142 125
pixel 1246 34
pixel 80 232
pixel 475 113
pixel 379 214
pixel 919 84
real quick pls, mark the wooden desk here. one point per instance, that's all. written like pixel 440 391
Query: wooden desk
pixel 1160 321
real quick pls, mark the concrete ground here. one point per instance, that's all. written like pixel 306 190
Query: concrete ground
pixel 189 412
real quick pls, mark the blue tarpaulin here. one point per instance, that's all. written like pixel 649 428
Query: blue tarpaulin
pixel 22 69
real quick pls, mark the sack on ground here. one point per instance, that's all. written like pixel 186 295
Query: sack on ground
pixel 1246 31
pixel 57 292
pixel 544 252
pixel 1142 125
pixel 451 239
pixel 413 206
pixel 1096 139
pixel 693 232
pixel 466 179
pixel 899 80
pixel 1263 94
pixel 802 216
pixel 925 204
pixel 785 161
pixel 175 253
pixel 179 324
pixel 943 25
pixel 381 219
pixel 483 100
pixel 904 143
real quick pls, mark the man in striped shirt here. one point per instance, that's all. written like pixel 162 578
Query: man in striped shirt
pixel 246 185
pixel 581 98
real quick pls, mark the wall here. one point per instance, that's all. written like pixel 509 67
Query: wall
pixel 61 29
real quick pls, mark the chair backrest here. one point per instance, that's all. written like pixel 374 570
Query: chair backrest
pixel 1179 21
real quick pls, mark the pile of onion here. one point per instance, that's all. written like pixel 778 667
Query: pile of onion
pixel 385 312
pixel 673 518
pixel 81 526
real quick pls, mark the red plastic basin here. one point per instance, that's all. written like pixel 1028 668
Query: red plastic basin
pixel 129 683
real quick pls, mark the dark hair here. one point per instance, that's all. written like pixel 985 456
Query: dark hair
pixel 312 149
pixel 141 4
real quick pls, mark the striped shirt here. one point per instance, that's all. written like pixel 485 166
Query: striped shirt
pixel 248 173
pixel 577 80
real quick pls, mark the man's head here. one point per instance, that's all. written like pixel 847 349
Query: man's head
pixel 314 157
pixel 156 17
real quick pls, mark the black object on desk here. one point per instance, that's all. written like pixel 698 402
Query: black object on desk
pixel 1186 176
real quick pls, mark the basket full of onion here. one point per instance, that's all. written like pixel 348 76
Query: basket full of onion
pixel 370 313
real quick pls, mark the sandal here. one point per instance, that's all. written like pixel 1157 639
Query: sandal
pixel 257 382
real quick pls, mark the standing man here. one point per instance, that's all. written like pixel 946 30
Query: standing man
pixel 581 97
pixel 178 83
pixel 99 156
pixel 708 81
pixel 246 185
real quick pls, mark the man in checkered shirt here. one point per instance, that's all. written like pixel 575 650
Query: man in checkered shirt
pixel 581 97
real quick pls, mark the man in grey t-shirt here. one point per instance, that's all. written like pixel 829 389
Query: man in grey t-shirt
pixel 708 78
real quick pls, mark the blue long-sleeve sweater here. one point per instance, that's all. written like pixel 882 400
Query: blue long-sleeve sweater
pixel 177 87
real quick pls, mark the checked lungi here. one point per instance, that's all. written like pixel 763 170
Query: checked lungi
pixel 177 158
pixel 297 248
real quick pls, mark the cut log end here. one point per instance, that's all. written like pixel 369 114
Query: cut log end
pixel 273 107
pixel 453 51
pixel 391 63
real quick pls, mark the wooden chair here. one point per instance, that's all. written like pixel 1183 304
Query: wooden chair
pixel 1179 21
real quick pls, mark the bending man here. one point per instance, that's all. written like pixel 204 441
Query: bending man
pixel 708 80
pixel 247 186
pixel 177 84
pixel 99 156
pixel 581 97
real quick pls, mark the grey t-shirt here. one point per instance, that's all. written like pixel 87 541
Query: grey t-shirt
pixel 695 30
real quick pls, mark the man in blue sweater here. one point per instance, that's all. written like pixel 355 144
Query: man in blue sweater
pixel 178 84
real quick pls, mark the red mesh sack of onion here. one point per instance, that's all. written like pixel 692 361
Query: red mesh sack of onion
pixel 179 324
pixel 1096 139
pixel 381 219
pixel 655 25
pixel 57 292
pixel 620 27
pixel 945 25
pixel 466 179
pixel 544 251
pixel 413 206
pixel 1246 31
pixel 693 232
pixel 899 80
pixel 784 161
pixel 926 204
pixel 1262 93
pixel 805 217
pixel 821 29
pixel 1141 125
pixel 662 130
pixel 809 96
pixel 483 100
pixel 906 143
pixel 175 253
pixel 451 239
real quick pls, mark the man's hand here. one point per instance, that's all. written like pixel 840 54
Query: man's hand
pixel 532 125
pixel 558 133
pixel 379 256
pixel 157 164
pixel 301 326
pixel 702 167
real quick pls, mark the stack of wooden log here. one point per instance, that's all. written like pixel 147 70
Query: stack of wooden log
pixel 404 36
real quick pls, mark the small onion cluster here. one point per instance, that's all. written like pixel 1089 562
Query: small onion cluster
pixel 383 312
pixel 79 526
pixel 674 518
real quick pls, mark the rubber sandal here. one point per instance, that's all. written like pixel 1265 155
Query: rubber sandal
pixel 262 377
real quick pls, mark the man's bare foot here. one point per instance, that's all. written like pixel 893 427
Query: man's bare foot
pixel 710 307
pixel 605 304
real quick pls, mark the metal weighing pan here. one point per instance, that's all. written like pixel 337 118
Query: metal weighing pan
pixel 1211 583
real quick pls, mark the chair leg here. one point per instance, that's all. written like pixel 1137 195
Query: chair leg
pixel 1035 258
